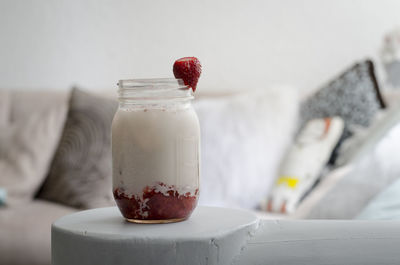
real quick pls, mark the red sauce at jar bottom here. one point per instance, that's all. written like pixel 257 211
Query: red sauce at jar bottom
pixel 155 205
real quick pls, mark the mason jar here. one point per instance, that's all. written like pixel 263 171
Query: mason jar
pixel 155 151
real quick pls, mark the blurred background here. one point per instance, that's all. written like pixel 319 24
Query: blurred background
pixel 242 44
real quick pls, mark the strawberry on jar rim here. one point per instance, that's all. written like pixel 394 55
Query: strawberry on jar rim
pixel 188 69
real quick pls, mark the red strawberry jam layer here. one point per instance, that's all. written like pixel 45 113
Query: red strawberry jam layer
pixel 160 202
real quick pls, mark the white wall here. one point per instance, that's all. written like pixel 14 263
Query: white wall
pixel 242 44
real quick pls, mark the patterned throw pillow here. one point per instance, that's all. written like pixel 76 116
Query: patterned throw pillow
pixel 80 175
pixel 303 164
pixel 354 96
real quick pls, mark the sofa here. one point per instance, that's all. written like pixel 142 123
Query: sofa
pixel 25 223
pixel 245 138
pixel 28 159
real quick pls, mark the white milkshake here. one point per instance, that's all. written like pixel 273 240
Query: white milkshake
pixel 155 150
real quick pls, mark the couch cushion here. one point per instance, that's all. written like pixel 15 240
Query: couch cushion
pixel 304 163
pixel 80 175
pixel 243 138
pixel 28 139
pixel 385 206
pixel 343 196
pixel 4 107
pixel 25 232
pixel 25 103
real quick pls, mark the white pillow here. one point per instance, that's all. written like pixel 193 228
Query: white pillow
pixel 243 140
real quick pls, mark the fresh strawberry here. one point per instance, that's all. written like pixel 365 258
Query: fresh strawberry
pixel 188 69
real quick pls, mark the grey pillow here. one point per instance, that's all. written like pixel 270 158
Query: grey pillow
pixel 80 175
pixel 354 96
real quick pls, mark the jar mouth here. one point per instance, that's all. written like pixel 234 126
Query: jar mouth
pixel 154 89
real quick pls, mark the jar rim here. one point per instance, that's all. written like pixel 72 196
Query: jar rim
pixel 153 88
pixel 133 83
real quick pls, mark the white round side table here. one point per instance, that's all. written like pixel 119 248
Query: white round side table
pixel 101 236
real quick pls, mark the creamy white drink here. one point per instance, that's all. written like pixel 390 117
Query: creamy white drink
pixel 152 146
pixel 155 150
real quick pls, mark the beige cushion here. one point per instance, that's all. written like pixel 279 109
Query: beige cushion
pixel 25 232
pixel 28 139
pixel 25 103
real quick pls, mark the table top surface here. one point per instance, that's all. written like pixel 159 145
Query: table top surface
pixel 205 222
